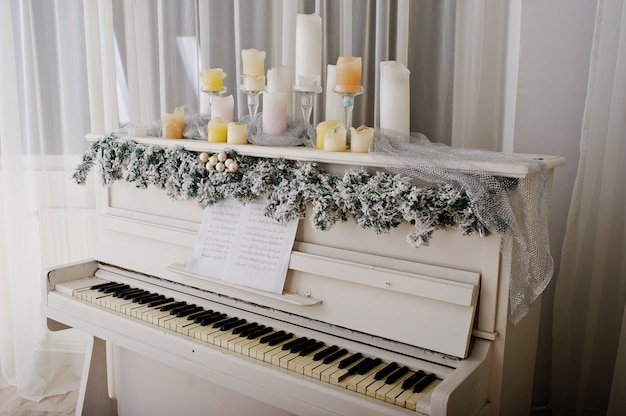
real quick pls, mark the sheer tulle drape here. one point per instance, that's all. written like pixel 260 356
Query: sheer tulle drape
pixel 43 120
pixel 591 286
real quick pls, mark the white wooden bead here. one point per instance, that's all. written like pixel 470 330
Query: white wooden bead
pixel 220 167
pixel 221 156
pixel 204 157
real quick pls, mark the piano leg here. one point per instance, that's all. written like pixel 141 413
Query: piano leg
pixel 93 397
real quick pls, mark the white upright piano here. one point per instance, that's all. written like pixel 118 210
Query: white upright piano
pixel 425 329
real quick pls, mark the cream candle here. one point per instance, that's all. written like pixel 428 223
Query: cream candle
pixel 348 76
pixel 309 49
pixel 214 79
pixel 237 133
pixel 321 129
pixel 279 80
pixel 217 130
pixel 222 107
pixel 395 99
pixel 334 103
pixel 274 113
pixel 174 124
pixel 253 62
pixel 361 138
pixel 335 139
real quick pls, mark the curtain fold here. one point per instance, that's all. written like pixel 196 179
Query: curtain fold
pixel 591 287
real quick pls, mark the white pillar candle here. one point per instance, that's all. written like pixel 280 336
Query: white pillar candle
pixel 309 48
pixel 223 107
pixel 237 133
pixel 335 139
pixel 334 102
pixel 253 62
pixel 321 129
pixel 395 111
pixel 361 138
pixel 279 80
pixel 274 113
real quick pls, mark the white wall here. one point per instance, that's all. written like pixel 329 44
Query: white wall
pixel 555 43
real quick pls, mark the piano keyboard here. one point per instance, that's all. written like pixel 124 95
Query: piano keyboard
pixel 370 376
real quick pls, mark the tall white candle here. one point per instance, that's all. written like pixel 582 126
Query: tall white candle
pixel 274 113
pixel 223 107
pixel 334 102
pixel 309 48
pixel 395 111
pixel 279 80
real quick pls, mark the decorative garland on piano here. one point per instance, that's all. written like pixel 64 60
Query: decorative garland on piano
pixel 381 201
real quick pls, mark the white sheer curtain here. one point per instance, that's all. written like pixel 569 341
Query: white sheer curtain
pixel 45 219
pixel 591 286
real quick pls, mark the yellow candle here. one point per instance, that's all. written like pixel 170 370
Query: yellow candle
pixel 321 129
pixel 214 79
pixel 335 139
pixel 361 138
pixel 217 130
pixel 348 74
pixel 174 124
pixel 237 133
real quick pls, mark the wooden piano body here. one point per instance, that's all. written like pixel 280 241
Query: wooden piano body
pixel 440 308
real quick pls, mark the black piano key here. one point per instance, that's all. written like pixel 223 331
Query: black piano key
pixel 171 306
pixel 370 366
pixel 245 332
pixel 213 319
pixel 132 295
pixel 177 309
pixel 199 314
pixel 396 375
pixel 232 325
pixel 112 288
pixel 413 379
pixel 335 356
pixel 156 303
pixel 245 327
pixel 206 315
pixel 121 293
pixel 260 332
pixel 278 340
pixel 188 311
pixel 385 371
pixel 106 284
pixel 268 338
pixel 293 343
pixel 299 346
pixel 149 299
pixel 355 369
pixel 423 383
pixel 140 296
pixel 350 360
pixel 325 352
pixel 308 350
pixel 224 322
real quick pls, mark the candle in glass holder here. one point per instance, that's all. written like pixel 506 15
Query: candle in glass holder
pixel 308 49
pixel 274 112
pixel 334 102
pixel 237 133
pixel 361 138
pixel 348 74
pixel 222 107
pixel 214 79
pixel 321 129
pixel 217 130
pixel 335 139
pixel 253 62
pixel 174 124
pixel 395 100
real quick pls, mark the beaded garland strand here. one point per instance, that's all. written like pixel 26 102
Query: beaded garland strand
pixel 381 201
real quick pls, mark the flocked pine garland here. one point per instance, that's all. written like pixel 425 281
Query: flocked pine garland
pixel 381 201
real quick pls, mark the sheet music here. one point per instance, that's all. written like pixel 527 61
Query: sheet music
pixel 237 243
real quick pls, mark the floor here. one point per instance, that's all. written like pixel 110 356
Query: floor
pixel 11 404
